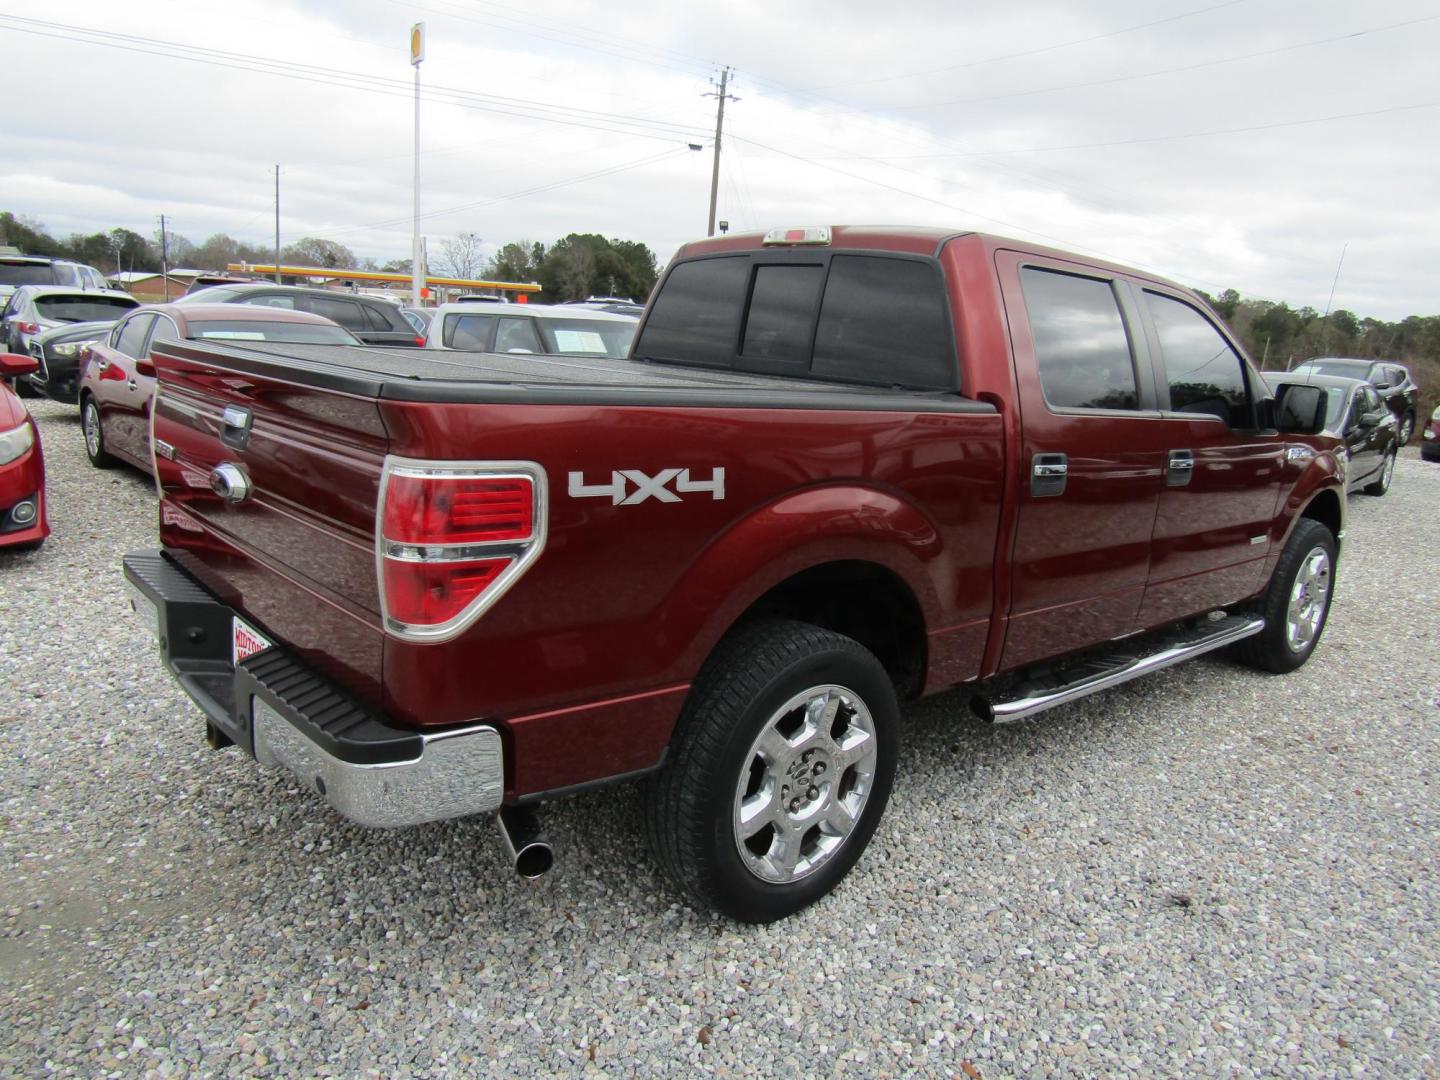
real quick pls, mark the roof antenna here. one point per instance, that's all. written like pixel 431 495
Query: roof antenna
pixel 1325 319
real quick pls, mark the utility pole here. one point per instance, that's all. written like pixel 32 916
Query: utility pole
pixel 722 96
pixel 277 223
pixel 417 254
pixel 165 258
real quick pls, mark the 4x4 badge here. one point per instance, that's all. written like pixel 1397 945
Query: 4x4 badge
pixel 658 487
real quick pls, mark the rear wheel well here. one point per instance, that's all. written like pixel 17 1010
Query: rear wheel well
pixel 863 601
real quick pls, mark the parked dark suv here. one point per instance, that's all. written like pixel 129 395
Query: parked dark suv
pixel 375 322
pixel 1390 378
pixel 17 270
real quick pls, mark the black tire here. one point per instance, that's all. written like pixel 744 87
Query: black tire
pixel 1273 649
pixel 1381 484
pixel 1407 428
pixel 693 805
pixel 94 441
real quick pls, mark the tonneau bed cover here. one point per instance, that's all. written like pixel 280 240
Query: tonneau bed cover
pixel 445 376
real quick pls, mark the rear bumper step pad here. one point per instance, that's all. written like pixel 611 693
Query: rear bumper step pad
pixel 282 712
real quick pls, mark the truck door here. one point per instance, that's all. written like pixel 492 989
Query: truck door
pixel 1222 472
pixel 1092 454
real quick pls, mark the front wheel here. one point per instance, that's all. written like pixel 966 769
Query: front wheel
pixel 780 769
pixel 1296 603
pixel 1407 428
pixel 1382 482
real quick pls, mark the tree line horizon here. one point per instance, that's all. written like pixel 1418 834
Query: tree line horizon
pixel 578 265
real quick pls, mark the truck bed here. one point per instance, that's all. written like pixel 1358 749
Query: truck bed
pixel 445 376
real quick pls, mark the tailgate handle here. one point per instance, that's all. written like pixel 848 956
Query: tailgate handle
pixel 227 481
pixel 235 426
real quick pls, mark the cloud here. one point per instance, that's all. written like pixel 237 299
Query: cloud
pixel 558 117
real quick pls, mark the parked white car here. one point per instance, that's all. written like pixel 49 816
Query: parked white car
pixel 530 328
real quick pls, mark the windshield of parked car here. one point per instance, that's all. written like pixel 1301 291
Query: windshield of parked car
pixel 1335 399
pixel 26 274
pixel 83 308
pixel 1349 369
pixel 587 337
pixel 259 330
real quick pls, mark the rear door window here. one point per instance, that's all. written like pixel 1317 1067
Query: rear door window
pixel 1081 346
pixel 275 300
pixel 132 334
pixel 469 332
pixel 1204 373
pixel 345 312
pixel 517 335
pixel 376 318
pixel 65 274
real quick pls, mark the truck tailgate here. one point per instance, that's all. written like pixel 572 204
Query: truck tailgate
pixel 296 556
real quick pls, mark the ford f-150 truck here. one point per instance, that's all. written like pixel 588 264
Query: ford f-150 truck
pixel 841 468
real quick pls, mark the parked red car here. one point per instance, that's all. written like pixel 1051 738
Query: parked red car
pixel 117 379
pixel 22 466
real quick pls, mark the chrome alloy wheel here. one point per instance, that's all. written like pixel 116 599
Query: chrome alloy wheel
pixel 1309 597
pixel 1388 471
pixel 1407 428
pixel 805 783
pixel 92 429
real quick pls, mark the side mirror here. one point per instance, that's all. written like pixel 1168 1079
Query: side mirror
pixel 1300 410
pixel 14 364
pixel 145 367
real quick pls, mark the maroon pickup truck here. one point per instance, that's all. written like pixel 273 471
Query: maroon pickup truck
pixel 842 468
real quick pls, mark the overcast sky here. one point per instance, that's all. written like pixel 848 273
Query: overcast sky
pixel 1224 144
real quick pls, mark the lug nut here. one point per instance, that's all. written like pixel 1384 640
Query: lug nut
pixel 819 767
pixel 813 793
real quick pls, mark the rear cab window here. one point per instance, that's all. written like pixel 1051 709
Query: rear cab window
pixel 872 319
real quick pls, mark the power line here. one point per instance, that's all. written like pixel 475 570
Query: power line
pixel 1151 74
pixel 1154 138
pixel 549 112
pixel 1030 52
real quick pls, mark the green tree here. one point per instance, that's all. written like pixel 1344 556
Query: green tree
pixel 313 251
pixel 517 261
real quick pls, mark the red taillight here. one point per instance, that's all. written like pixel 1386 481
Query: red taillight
pixel 420 341
pixel 458 509
pixel 452 539
pixel 28 327
pixel 431 593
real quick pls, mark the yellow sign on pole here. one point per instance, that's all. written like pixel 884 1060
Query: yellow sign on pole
pixel 417 43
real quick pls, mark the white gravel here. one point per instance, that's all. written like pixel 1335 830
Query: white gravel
pixel 1210 872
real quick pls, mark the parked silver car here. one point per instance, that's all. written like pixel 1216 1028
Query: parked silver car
pixel 33 309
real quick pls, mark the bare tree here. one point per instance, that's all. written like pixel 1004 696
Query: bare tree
pixel 462 256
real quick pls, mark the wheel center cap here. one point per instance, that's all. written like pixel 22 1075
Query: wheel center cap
pixel 806 780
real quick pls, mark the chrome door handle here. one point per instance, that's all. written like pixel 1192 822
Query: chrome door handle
pixel 133 384
pixel 1179 468
pixel 101 365
pixel 1048 473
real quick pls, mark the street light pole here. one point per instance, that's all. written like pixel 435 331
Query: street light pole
pixel 417 256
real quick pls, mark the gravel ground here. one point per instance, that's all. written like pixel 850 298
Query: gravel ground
pixel 1207 872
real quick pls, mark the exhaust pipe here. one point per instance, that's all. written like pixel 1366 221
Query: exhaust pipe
pixel 524 841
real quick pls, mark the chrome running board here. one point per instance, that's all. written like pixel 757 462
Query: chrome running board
pixel 1101 673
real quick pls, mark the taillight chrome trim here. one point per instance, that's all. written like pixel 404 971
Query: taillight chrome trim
pixel 522 553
